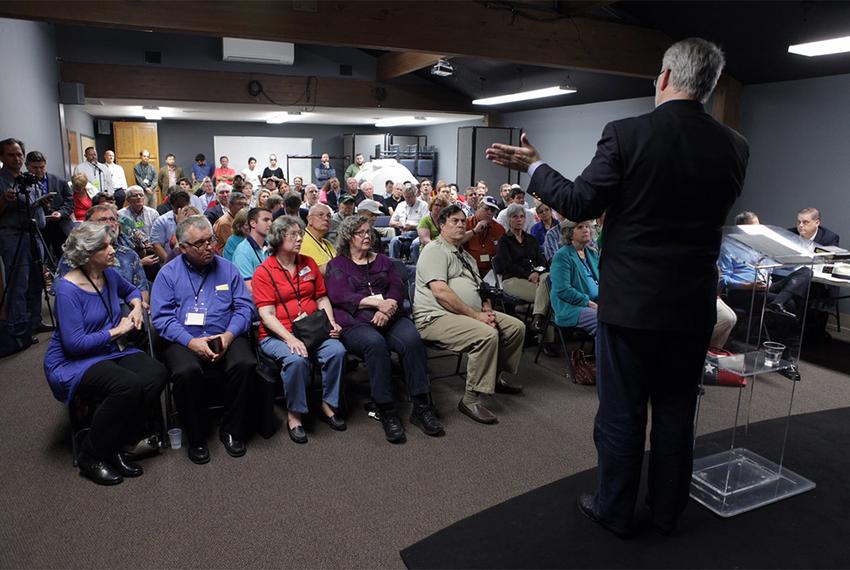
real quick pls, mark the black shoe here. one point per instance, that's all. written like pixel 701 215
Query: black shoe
pixel 537 324
pixel 792 373
pixel 550 350
pixel 125 467
pixel 424 418
pixel 198 454
pixel 336 422
pixel 503 387
pixel 585 505
pixel 297 434
pixel 393 429
pixel 98 471
pixel 43 328
pixel 233 446
pixel 779 309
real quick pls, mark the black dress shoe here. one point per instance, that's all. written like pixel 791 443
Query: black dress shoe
pixel 198 454
pixel 43 328
pixel 125 467
pixel 233 446
pixel 478 413
pixel 297 434
pixel 537 324
pixel 424 418
pixel 503 387
pixel 336 422
pixel 792 373
pixel 585 505
pixel 98 471
pixel 779 309
pixel 393 429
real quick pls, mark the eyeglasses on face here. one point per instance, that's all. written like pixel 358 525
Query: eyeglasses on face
pixel 294 236
pixel 361 233
pixel 202 244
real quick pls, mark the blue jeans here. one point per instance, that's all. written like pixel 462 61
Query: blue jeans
pixel 374 346
pixel 396 242
pixel 295 371
pixel 587 320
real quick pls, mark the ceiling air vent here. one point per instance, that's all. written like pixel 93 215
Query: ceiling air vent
pixel 258 51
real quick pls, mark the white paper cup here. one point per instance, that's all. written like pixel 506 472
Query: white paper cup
pixel 175 438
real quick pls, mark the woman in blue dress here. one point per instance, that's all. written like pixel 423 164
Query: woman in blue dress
pixel 88 357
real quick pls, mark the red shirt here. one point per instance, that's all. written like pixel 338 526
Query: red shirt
pixel 224 175
pixel 307 280
pixel 82 204
pixel 483 244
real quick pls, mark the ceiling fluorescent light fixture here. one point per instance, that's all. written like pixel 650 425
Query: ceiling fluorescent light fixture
pixel 824 47
pixel 152 113
pixel 399 121
pixel 278 119
pixel 524 96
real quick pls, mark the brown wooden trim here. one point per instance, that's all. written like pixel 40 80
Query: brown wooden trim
pixel 131 82
pixel 464 28
pixel 396 64
pixel 726 101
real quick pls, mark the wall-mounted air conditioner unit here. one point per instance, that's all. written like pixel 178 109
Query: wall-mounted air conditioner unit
pixel 258 51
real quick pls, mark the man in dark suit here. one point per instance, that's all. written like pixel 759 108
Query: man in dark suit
pixel 667 180
pixel 60 207
pixel 808 227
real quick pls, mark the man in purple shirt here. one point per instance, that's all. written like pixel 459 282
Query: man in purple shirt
pixel 202 310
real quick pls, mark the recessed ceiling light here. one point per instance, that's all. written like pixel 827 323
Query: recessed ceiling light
pixel 524 95
pixel 823 47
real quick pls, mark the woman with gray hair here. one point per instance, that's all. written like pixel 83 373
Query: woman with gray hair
pixel 367 292
pixel 575 279
pixel 87 355
pixel 288 287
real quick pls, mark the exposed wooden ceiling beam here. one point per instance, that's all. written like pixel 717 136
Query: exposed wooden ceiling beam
pixel 396 64
pixel 132 82
pixel 464 28
pixel 726 101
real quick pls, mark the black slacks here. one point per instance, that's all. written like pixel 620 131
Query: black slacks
pixel 191 378
pixel 126 388
pixel 635 367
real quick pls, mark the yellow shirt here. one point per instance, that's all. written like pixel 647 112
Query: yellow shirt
pixel 321 250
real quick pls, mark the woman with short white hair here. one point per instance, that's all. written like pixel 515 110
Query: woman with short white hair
pixel 88 355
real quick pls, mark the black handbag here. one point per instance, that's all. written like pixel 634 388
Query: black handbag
pixel 313 329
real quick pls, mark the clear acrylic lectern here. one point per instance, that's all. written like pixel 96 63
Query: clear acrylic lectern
pixel 736 479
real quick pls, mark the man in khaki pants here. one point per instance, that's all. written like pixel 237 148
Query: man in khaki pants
pixel 449 312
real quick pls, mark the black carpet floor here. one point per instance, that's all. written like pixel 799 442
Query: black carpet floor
pixel 544 529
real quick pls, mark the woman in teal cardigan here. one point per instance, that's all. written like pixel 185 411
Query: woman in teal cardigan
pixel 575 279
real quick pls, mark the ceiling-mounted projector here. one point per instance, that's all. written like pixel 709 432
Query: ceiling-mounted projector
pixel 442 68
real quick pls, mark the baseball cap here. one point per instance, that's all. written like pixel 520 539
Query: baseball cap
pixel 490 202
pixel 370 206
pixel 346 199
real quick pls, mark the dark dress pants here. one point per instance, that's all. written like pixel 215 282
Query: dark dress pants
pixel 126 388
pixel 635 367
pixel 374 346
pixel 191 388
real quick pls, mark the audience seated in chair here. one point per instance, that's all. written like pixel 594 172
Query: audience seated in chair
pixel 482 235
pixel 238 231
pixel 367 296
pixel 575 279
pixel 809 228
pixel 315 243
pixel 202 312
pixel 223 227
pixel 164 226
pixel 217 207
pixel 87 356
pixel 427 229
pixel 289 286
pixel 524 266
pixel 406 219
pixel 449 313
pixel 546 223
pixel 253 251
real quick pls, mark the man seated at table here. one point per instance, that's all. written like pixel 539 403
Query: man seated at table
pixel 202 311
pixel 449 312
pixel 314 243
pixel 252 252
pixel 808 227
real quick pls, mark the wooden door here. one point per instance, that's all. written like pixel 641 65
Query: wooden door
pixel 74 149
pixel 131 137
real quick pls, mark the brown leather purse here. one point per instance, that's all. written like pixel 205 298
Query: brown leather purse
pixel 584 368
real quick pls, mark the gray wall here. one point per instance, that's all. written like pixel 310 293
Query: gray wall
pixel 30 92
pixel 799 152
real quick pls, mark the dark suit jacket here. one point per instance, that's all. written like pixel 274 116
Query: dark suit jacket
pixel 824 236
pixel 62 202
pixel 667 180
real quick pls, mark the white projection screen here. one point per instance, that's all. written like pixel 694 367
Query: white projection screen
pixel 239 149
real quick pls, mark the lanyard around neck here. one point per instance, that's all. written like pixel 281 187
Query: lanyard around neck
pixel 98 291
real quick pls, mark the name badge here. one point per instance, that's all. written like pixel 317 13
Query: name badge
pixel 300 316
pixel 304 271
pixel 222 287
pixel 376 296
pixel 140 224
pixel 195 319
pixel 485 258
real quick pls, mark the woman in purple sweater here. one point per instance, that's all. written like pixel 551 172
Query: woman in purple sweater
pixel 366 293
pixel 88 357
